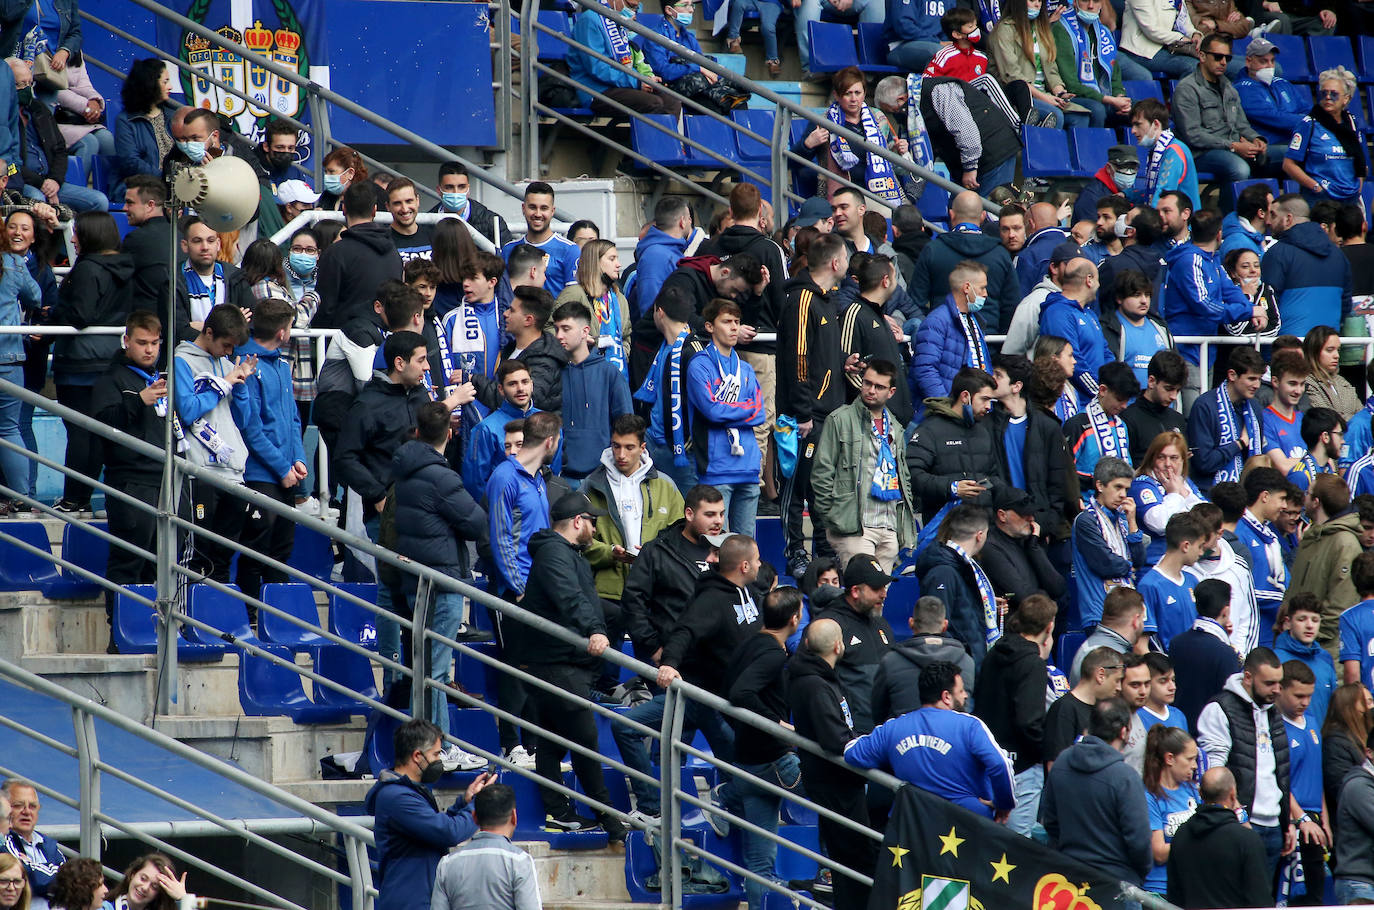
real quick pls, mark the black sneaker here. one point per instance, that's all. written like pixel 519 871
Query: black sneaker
pixel 614 828
pixel 470 633
pixel 768 508
pixel 568 820
pixel 796 565
pixel 71 508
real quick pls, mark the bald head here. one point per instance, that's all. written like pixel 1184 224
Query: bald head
pixel 1218 786
pixel 179 118
pixel 966 208
pixel 1076 273
pixel 822 636
pixel 23 73
pixel 1041 215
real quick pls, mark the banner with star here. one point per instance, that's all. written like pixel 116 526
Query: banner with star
pixel 939 856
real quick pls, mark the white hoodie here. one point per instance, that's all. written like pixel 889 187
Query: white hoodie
pixel 1244 607
pixel 1214 738
pixel 626 496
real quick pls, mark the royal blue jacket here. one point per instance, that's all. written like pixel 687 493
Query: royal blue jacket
pixel 1198 296
pixel 915 20
pixel 1315 656
pixel 1080 326
pixel 595 393
pixel 487 447
pixel 667 65
pixel 517 508
pixel 1033 262
pixel 1236 236
pixel 42 873
pixel 948 753
pixel 1311 277
pixel 941 351
pixel 589 71
pixel 1094 563
pixel 1274 110
pixel 712 420
pixel 412 836
pixel 271 424
pixel 656 257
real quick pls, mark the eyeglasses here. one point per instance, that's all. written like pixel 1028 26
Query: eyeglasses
pixel 1226 58
pixel 11 883
pixel 1329 95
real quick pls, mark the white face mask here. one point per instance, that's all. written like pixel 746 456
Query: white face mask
pixel 1265 75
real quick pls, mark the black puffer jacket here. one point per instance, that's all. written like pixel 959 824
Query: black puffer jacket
pixel 895 688
pixel 662 581
pixel 97 291
pixel 433 511
pixel 545 358
pixel 944 575
pixel 562 589
pixel 351 270
pixel 1051 479
pixel 1215 861
pixel 115 402
pixel 1240 717
pixel 946 448
pixel 1011 698
pixel 867 637
pixel 378 422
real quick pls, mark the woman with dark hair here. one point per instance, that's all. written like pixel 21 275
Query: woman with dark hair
pixel 301 267
pixel 1170 794
pixel 143 131
pixel 583 231
pixel 79 885
pixel 451 250
pixel 263 270
pixel 1326 387
pixel 97 291
pixel 31 239
pixel 1344 736
pixel 151 883
pixel 1243 266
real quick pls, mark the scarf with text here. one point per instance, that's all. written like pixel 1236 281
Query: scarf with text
pixel 878 174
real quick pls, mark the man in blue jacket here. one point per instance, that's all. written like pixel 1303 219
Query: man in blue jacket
pixel 966 241
pixel 1224 425
pixel 1247 226
pixel 486 445
pixel 599 30
pixel 412 833
pixel 1043 234
pixel 951 338
pixel 941 749
pixel 1307 271
pixel 658 251
pixel 271 427
pixel 595 392
pixel 1272 105
pixel 1067 313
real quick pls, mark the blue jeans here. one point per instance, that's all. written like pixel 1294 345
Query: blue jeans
pixel 445 613
pixel 1228 167
pixel 1097 111
pixel 98 142
pixel 684 478
pixel 769 12
pixel 810 11
pixel 1272 836
pixel 741 505
pixel 760 807
pixel 1027 787
pixel 1174 66
pixel 1065 119
pixel 15 465
pixel 913 56
pixel 30 443
pixel 80 198
pixel 388 630
pixel 1349 890
pixel 634 750
pixel 999 175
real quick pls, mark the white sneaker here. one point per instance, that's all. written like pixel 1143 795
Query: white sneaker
pixel 520 758
pixel 456 759
pixel 310 505
pixel 645 820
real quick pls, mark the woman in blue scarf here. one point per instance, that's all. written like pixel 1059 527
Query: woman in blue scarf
pixel 866 170
pixel 682 75
pixel 598 286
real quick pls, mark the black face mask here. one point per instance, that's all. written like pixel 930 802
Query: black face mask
pixel 432 772
pixel 280 161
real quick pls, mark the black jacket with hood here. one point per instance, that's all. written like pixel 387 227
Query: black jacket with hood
pixel 929 284
pixel 1011 698
pixel 944 575
pixel 546 359
pixel 820 713
pixel 433 511
pixel 662 581
pixel 378 422
pixel 762 311
pixel 716 621
pixel 811 380
pixel 1051 478
pixel 1019 568
pixel 1215 861
pixel 1093 808
pixel 896 689
pixel 867 637
pixel 947 448
pixel 692 278
pixel 97 291
pixel 115 402
pixel 561 589
pixel 756 682
pixel 350 271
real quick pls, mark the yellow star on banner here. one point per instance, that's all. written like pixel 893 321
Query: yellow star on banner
pixel 897 854
pixel 949 843
pixel 1001 869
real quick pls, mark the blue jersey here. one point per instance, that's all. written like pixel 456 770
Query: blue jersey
pixel 1305 763
pixel 1139 343
pixel 1307 471
pixel 1324 157
pixel 561 269
pixel 1173 717
pixel 1169 603
pixel 1168 812
pixel 1357 639
pixel 1359 439
pixel 1282 433
pixel 1268 570
pixel 1360 476
pixel 948 753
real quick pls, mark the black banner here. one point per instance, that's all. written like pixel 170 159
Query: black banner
pixel 938 856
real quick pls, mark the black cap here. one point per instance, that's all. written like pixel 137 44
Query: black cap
pixel 865 570
pixel 1065 251
pixel 1124 158
pixel 1013 500
pixel 813 210
pixel 571 505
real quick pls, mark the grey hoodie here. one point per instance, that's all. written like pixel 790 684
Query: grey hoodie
pixel 1093 808
pixel 212 404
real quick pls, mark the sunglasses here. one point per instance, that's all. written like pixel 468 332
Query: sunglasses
pixel 1225 58
pixel 1329 95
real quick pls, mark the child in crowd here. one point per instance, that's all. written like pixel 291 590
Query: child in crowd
pixel 1108 547
pixel 1167 589
pixel 1295 631
pixel 1159 703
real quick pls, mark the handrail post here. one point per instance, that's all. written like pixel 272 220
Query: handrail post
pixel 358 883
pixel 319 129
pixel 168 628
pixel 782 132
pixel 529 120
pixel 670 810
pixel 88 760
pixel 502 72
pixel 419 648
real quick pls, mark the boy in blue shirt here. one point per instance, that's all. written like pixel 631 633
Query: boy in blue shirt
pixel 1267 490
pixel 1167 589
pixel 1108 547
pixel 1283 443
pixel 1297 626
pixel 1307 801
pixel 1357 625
pixel 1159 703
pixel 1323 431
pixel 595 392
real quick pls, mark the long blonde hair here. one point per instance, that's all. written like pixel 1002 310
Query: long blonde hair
pixel 589 274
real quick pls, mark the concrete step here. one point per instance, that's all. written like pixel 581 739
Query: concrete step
pixel 274 749
pixel 30 624
pixel 570 877
pixel 330 793
pixel 123 683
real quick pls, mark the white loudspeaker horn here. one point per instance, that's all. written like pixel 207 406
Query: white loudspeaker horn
pixel 224 192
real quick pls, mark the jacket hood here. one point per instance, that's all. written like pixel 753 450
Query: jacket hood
pixel 388 778
pixel 699 264
pixel 920 644
pixel 1010 650
pixel 1232 223
pixel 1091 755
pixel 1289 643
pixel 1346 523
pixel 911 243
pixel 969 244
pixel 374 236
pixel 646 466
pixel 1056 298
pixel 1207 820
pixel 251 346
pixel 736 239
pixel 1235 684
pixel 714 581
pixel 656 238
pixel 825 597
pixel 946 407
pixel 936 554
pixel 119 265
pixel 412 456
pixel 1310 238
pixel 546 539
pixel 1104 174
pixel 804 663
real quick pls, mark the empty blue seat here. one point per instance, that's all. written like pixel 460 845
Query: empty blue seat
pixel 1046 152
pixel 1068 646
pixel 712 134
pixel 656 145
pixel 89 551
pixel 299 601
pixel 897 606
pixel 1293 57
pixel 1241 185
pixel 348 668
pixel 768 533
pixel 135 629
pixel 21 570
pixel 312 553
pixel 761 122
pixel 832 46
pixel 641 863
pixel 473 676
pixel 550 48
pixel 793 866
pixel 873 49
pixel 267 689
pixel 1327 52
pixel 1364 56
pixel 350 621
pixel 1089 147
pixel 223 612
pixel 934 203
pixel 1136 89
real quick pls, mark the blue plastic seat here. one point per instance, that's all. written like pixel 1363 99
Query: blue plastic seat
pixel 1293 56
pixel 1327 52
pixel 348 668
pixel 749 150
pixel 312 553
pixel 1089 147
pixel 21 570
pixel 86 550
pixel 76 171
pixel 1241 185
pixel 656 145
pixel 475 726
pixel 103 166
pixel 299 601
pixel 897 606
pixel 1364 56
pixel 1136 89
pixel 934 203
pixel 224 613
pixel 768 534
pixel 134 629
pixel 529 809
pixel 790 865
pixel 550 48
pixel 267 689
pixel 832 46
pixel 640 863
pixel 475 677
pixel 350 621
pixel 714 135
pixel 873 49
pixel 1046 152
pixel 1068 646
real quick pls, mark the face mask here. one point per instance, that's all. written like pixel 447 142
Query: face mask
pixel 684 18
pixel 1125 180
pixel 432 772
pixel 969 418
pixel 973 36
pixel 1265 75
pixel 1032 14
pixel 280 161
pixel 628 13
pixel 194 150
pixel 1145 141
pixel 333 183
pixel 977 304
pixel 301 263
pixel 1086 16
pixel 26 96
pixel 454 202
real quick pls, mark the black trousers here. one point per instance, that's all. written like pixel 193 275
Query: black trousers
pixel 843 845
pixel 572 720
pixel 796 497
pixel 609 676
pixel 268 534
pixel 510 692
pixel 134 526
pixel 223 513
pixel 85 452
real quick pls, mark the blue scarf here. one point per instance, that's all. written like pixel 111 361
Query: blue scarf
pixel 1067 405
pixel 1115 529
pixel 1110 432
pixel 1105 51
pixel 886 486
pixel 878 173
pixel 648 393
pixel 616 38
pixel 160 406
pixel 196 287
pixel 608 316
pixel 1161 146
pixel 917 137
pixel 992 620
pixel 1229 434
pixel 973 339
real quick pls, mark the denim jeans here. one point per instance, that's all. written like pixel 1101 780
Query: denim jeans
pixel 913 56
pixel 15 465
pixel 769 12
pixel 388 630
pixel 760 807
pixel 1175 66
pixel 997 176
pixel 1272 836
pixel 80 198
pixel 445 613
pixel 30 443
pixel 1027 787
pixel 1349 890
pixel 684 477
pixel 741 506
pixel 810 11
pixel 634 749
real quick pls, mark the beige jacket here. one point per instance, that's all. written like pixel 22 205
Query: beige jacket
pixel 1149 26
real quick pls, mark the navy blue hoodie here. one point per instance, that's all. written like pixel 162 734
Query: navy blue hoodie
pixel 1093 808
pixel 1311 278
pixel 595 393
pixel 412 836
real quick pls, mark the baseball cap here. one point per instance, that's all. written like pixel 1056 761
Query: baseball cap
pixel 1123 158
pixel 813 210
pixel 865 570
pixel 570 505
pixel 715 540
pixel 1261 46
pixel 1013 500
pixel 296 191
pixel 1066 251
